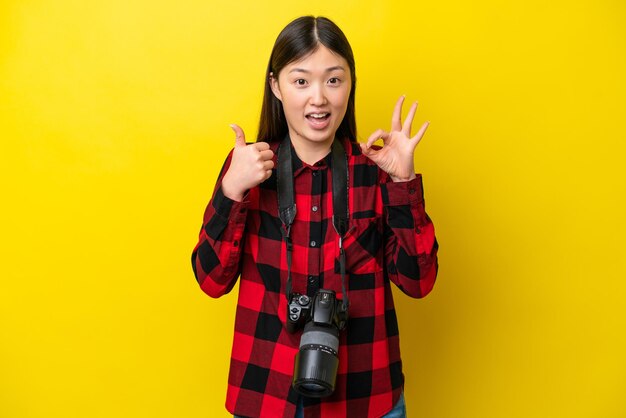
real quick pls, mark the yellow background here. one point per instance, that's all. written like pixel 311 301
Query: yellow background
pixel 114 123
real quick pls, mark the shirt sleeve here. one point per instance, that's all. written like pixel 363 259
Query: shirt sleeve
pixel 216 257
pixel 410 243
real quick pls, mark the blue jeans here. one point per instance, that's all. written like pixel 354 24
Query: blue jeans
pixel 398 411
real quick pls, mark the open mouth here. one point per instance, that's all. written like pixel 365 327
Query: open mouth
pixel 318 117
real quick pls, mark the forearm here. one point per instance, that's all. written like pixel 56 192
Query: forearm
pixel 410 243
pixel 215 259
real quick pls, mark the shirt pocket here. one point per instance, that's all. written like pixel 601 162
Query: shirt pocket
pixel 363 245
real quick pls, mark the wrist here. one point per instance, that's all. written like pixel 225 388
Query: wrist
pixel 396 179
pixel 233 193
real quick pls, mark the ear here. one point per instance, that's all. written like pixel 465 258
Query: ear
pixel 275 88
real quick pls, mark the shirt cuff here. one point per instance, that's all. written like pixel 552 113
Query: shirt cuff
pixel 403 192
pixel 228 208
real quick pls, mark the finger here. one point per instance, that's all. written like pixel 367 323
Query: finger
pixel 375 136
pixel 368 152
pixel 268 165
pixel 396 118
pixel 372 153
pixel 266 155
pixel 418 136
pixel 261 146
pixel 406 127
pixel 240 137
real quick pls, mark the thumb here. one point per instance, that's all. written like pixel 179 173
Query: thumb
pixel 240 137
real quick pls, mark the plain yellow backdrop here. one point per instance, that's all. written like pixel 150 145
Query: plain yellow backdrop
pixel 114 123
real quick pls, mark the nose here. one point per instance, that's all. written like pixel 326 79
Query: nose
pixel 318 95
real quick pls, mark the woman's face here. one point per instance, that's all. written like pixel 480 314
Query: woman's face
pixel 314 92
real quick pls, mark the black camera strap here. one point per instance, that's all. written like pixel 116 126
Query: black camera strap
pixel 287 204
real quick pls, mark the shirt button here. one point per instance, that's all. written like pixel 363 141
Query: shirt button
pixel 411 191
pixel 313 243
pixel 314 208
pixel 315 173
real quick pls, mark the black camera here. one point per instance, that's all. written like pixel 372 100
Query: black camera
pixel 322 316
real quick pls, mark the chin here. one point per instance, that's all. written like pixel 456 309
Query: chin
pixel 320 138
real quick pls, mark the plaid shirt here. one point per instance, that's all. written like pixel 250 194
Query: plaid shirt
pixel 391 238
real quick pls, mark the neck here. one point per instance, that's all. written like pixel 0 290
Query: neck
pixel 308 151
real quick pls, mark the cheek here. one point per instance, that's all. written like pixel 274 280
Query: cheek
pixel 341 104
pixel 341 97
pixel 292 103
pixel 291 110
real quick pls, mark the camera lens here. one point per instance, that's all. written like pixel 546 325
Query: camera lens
pixel 311 389
pixel 317 361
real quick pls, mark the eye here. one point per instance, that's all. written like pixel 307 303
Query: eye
pixel 300 82
pixel 334 80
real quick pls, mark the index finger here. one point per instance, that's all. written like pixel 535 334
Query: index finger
pixel 396 119
pixel 379 133
pixel 261 146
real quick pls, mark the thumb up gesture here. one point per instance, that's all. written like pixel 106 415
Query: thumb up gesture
pixel 250 165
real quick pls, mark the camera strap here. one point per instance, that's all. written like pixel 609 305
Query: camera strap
pixel 287 204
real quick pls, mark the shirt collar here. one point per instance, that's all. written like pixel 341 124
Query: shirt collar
pixel 298 165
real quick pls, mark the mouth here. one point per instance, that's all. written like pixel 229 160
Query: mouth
pixel 318 116
pixel 318 120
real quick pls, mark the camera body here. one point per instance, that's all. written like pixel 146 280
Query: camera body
pixel 323 309
pixel 317 361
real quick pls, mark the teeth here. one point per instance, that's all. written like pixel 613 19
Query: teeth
pixel 318 115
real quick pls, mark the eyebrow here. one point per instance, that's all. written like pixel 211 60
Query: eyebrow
pixel 328 70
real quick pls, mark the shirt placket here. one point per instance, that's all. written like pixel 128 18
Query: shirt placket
pixel 314 279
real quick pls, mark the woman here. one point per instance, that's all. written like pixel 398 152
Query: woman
pixel 309 248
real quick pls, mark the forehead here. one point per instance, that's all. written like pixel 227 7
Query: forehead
pixel 319 60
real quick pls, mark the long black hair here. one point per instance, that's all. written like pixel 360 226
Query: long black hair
pixel 298 39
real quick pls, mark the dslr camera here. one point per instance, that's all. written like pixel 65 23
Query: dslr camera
pixel 316 363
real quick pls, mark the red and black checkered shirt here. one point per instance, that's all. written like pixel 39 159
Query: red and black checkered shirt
pixel 390 238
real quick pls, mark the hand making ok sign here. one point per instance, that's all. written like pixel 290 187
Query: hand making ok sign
pixel 396 155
